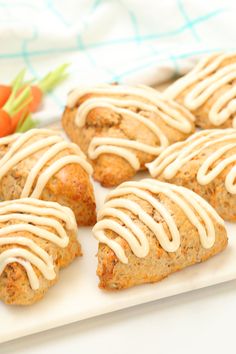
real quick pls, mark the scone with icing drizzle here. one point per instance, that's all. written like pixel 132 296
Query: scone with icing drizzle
pixel 37 238
pixel 150 229
pixel 205 163
pixel 209 91
pixel 121 128
pixel 41 164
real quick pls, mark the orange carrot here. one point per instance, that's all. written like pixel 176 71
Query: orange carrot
pixel 21 98
pixel 5 123
pixel 37 95
pixel 18 108
pixel 5 92
pixel 46 85
pixel 16 103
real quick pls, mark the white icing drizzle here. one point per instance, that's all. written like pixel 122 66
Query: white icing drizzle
pixel 177 155
pixel 33 216
pixel 196 209
pixel 207 77
pixel 172 114
pixel 46 139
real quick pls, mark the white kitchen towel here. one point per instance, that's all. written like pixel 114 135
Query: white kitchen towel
pixel 132 41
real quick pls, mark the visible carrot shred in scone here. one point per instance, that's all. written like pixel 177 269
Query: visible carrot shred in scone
pixel 41 164
pixel 150 229
pixel 205 163
pixel 37 238
pixel 209 91
pixel 121 128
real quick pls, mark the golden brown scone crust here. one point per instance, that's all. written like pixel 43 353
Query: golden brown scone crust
pixel 214 192
pixel 109 169
pixel 202 112
pixel 71 186
pixel 158 264
pixel 15 288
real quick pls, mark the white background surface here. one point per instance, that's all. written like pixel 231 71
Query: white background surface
pixel 202 321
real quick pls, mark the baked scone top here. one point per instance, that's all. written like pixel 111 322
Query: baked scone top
pixel 132 101
pixel 44 220
pixel 112 217
pixel 18 147
pixel 218 141
pixel 211 74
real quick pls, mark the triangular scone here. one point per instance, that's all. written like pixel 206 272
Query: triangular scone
pixel 121 128
pixel 209 91
pixel 41 164
pixel 37 238
pixel 150 229
pixel 205 163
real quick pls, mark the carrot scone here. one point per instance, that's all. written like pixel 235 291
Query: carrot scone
pixel 121 128
pixel 209 91
pixel 205 163
pixel 41 164
pixel 37 238
pixel 150 229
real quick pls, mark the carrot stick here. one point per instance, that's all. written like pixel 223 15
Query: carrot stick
pixel 18 117
pixel 16 104
pixel 21 98
pixel 46 85
pixel 17 84
pixel 5 123
pixel 37 95
pixel 25 124
pixel 20 106
pixel 5 92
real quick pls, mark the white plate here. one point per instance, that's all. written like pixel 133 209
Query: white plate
pixel 77 297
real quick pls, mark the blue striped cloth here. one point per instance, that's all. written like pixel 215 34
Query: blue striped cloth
pixel 130 41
